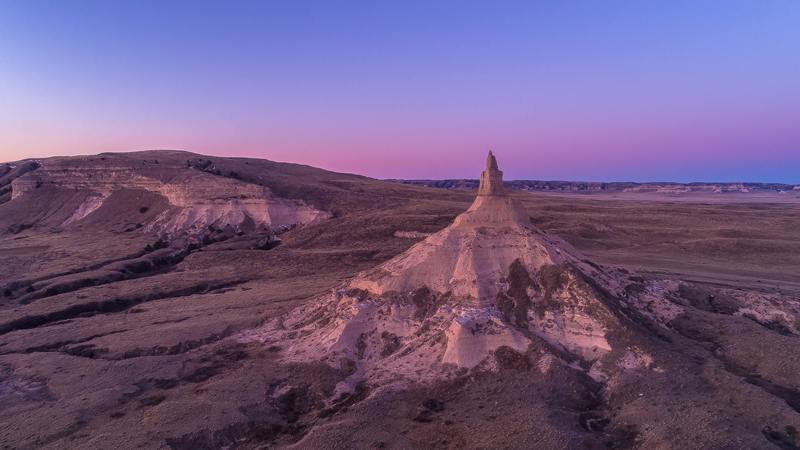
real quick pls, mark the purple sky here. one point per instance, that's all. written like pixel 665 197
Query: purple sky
pixel 642 91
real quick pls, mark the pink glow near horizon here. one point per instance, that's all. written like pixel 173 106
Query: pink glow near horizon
pixel 667 93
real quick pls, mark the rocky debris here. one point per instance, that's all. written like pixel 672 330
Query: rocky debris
pixel 776 312
pixel 430 407
pixel 708 300
pixel 787 438
pixel 267 242
pixel 15 388
pixel 203 164
pixel 411 234
pixel 18 228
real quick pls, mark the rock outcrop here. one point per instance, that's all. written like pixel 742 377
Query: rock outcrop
pixel 489 280
pixel 11 172
pixel 491 178
pixel 197 200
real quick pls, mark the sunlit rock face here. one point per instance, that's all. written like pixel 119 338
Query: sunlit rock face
pixel 204 200
pixel 197 200
pixel 470 259
pixel 489 280
pixel 491 178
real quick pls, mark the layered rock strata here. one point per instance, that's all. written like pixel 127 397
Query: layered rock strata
pixel 197 200
pixel 489 280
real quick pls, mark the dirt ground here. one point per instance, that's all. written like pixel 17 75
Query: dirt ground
pixel 98 355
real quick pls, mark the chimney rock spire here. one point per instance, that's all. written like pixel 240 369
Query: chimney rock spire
pixel 491 178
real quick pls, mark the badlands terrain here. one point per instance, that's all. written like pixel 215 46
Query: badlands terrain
pixel 171 300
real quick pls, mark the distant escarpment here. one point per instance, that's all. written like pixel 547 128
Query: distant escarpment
pixel 589 187
pixel 167 193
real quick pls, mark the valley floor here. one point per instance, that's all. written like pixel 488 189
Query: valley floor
pixel 100 350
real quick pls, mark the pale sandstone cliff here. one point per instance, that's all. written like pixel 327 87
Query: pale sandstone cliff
pixel 198 200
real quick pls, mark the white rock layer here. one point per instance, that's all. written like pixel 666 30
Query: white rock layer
pixel 197 199
pixel 443 305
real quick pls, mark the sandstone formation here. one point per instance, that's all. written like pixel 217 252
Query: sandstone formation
pixel 10 172
pixel 488 281
pixel 196 199
pixel 491 178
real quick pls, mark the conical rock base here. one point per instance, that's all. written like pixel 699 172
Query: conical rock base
pixel 488 281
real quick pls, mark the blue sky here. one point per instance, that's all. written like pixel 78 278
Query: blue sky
pixel 642 91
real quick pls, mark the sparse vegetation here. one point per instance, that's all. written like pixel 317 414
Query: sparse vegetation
pixel 159 326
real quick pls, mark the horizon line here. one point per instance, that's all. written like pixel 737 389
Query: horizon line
pixel 618 181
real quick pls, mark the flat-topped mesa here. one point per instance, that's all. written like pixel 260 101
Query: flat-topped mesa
pixel 491 178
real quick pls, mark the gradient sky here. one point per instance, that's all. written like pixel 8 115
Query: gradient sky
pixel 577 90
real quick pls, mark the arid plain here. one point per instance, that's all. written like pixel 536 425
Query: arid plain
pixel 132 285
